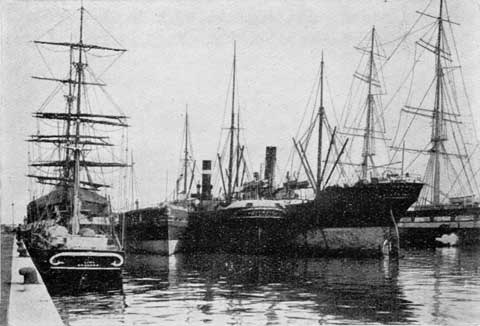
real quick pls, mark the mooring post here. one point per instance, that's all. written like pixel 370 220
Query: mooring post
pixel 21 249
pixel 29 275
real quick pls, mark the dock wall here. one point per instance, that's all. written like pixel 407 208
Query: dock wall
pixel 25 304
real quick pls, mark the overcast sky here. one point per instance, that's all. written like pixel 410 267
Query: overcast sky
pixel 181 52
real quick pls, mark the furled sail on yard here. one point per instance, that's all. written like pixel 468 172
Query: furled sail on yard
pixel 435 131
pixel 70 231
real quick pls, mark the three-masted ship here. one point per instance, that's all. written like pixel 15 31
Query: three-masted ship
pixel 448 205
pixel 70 230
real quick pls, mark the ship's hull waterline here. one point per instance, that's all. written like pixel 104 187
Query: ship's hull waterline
pixel 289 238
pixel 156 230
pixel 345 221
pixel 72 261
pixel 72 270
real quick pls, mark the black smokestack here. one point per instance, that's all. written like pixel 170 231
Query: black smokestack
pixel 206 179
pixel 270 162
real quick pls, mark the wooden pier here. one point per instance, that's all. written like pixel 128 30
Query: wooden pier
pixel 440 230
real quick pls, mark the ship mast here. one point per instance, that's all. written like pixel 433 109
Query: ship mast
pixel 443 111
pixel 70 98
pixel 238 152
pixel 437 117
pixel 73 139
pixel 76 149
pixel 185 159
pixel 316 183
pixel 367 152
pixel 232 128
pixel 321 114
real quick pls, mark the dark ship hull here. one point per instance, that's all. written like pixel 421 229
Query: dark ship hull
pixel 351 220
pixel 63 258
pixel 158 230
pixel 73 270
pixel 344 221
pixel 258 229
pixel 446 225
pixel 361 205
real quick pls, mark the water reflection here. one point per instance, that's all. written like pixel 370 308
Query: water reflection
pixel 93 308
pixel 273 288
pixel 428 287
pixel 444 283
pixel 76 283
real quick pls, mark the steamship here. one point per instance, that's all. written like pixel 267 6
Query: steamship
pixel 158 229
pixel 250 223
pixel 243 221
pixel 358 218
pixel 161 229
pixel 256 217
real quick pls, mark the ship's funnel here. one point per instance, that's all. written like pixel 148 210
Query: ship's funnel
pixel 206 179
pixel 270 162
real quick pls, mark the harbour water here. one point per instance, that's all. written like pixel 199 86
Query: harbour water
pixel 424 287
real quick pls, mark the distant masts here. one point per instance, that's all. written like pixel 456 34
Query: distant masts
pixel 321 114
pixel 185 159
pixel 183 184
pixel 232 128
pixel 13 214
pixel 132 181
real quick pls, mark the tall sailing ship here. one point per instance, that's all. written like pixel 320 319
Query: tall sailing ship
pixel 353 218
pixel 448 203
pixel 70 230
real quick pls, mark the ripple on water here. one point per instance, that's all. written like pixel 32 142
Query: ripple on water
pixel 438 287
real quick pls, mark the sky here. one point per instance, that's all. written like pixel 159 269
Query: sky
pixel 180 52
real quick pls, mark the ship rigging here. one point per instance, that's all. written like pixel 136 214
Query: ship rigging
pixel 448 173
pixel 70 231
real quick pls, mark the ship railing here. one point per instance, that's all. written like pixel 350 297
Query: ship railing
pixel 445 206
pixel 397 179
